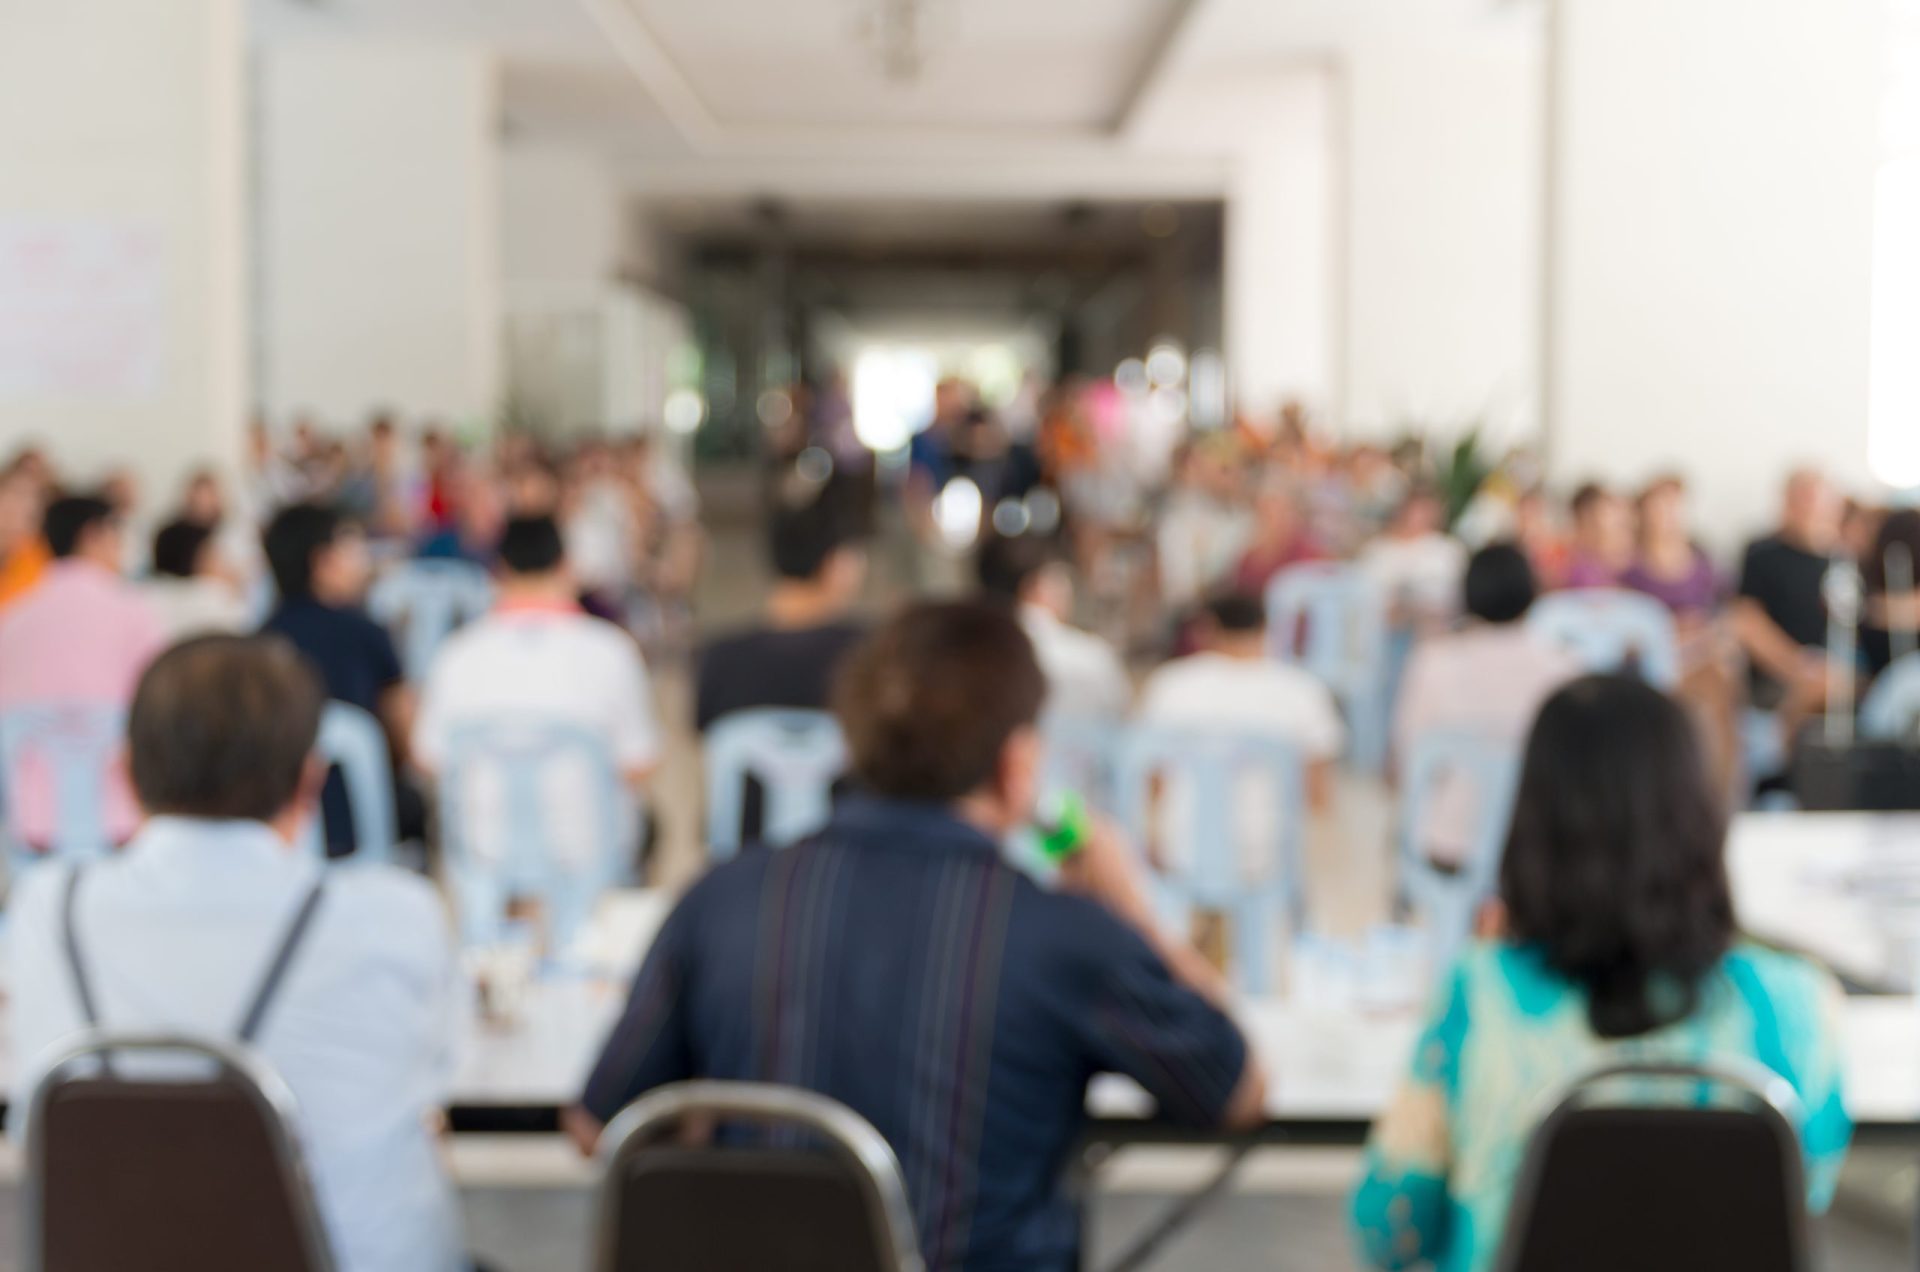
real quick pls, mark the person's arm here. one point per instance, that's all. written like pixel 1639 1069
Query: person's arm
pixel 636 737
pixel 1160 1013
pixel 1403 1208
pixel 396 705
pixel 650 1045
pixel 1770 649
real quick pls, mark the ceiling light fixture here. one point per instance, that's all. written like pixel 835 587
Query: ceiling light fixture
pixel 898 33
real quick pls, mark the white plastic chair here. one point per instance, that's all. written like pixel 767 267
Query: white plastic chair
pixel 1609 629
pixel 1891 711
pixel 353 741
pixel 794 756
pixel 1331 619
pixel 1450 900
pixel 423 602
pixel 1207 874
pixel 76 745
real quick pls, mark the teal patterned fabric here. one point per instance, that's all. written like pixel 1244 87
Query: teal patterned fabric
pixel 1505 1037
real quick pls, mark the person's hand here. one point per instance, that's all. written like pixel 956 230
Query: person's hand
pixel 1105 870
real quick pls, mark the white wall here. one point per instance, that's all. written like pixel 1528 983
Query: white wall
pixel 562 218
pixel 1444 209
pixel 1714 192
pixel 130 115
pixel 380 211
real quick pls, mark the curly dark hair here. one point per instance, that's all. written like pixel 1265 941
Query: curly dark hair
pixel 1615 864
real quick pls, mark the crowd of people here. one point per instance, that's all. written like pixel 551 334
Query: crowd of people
pixel 898 961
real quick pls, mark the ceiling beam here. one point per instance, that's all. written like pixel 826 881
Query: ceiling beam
pixel 1150 77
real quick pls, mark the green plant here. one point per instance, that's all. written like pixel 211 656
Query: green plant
pixel 1460 471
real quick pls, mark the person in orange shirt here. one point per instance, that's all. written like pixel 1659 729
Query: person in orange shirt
pixel 23 553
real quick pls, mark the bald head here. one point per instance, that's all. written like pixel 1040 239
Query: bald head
pixel 1810 510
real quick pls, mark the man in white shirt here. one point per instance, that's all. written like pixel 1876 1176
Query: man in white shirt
pixel 176 934
pixel 1233 684
pixel 1416 564
pixel 191 588
pixel 1085 677
pixel 540 657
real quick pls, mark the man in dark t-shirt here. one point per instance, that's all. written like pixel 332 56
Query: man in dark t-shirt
pixel 320 570
pixel 1781 617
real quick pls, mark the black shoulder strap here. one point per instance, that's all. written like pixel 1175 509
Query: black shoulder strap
pixel 70 937
pixel 282 959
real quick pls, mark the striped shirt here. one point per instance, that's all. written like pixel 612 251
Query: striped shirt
pixel 898 965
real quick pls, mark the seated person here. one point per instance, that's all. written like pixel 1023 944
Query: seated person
pixel 1780 618
pixel 1618 931
pixel 1487 679
pixel 540 656
pixel 81 637
pixel 1671 567
pixel 192 589
pixel 1602 546
pixel 176 935
pixel 1085 678
pixel 938 992
pixel 1416 564
pixel 23 549
pixel 321 571
pixel 1281 540
pixel 1892 612
pixel 789 657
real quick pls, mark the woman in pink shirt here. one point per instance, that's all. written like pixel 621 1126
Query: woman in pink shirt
pixel 1488 679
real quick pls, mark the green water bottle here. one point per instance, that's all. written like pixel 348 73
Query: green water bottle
pixel 1062 827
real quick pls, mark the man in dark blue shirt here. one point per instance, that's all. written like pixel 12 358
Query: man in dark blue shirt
pixel 320 570
pixel 898 965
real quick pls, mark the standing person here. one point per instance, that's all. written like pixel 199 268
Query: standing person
pixel 790 655
pixel 1487 680
pixel 967 1018
pixel 176 935
pixel 1780 618
pixel 1204 527
pixel 1279 541
pixel 539 656
pixel 1416 564
pixel 191 587
pixel 82 637
pixel 320 567
pixel 1619 940
pixel 1602 547
pixel 1085 678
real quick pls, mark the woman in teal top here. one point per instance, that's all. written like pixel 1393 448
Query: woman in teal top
pixel 1619 946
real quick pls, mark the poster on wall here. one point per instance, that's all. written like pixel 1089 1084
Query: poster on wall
pixel 82 310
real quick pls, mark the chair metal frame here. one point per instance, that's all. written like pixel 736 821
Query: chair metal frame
pixel 757 743
pixel 520 748
pixel 265 1089
pixel 1770 1098
pixel 1606 626
pixel 1215 760
pixel 46 729
pixel 1347 645
pixel 430 598
pixel 353 740
pixel 851 1138
pixel 1451 899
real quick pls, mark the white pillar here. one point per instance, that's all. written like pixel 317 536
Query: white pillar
pixel 1710 242
pixel 123 233
pixel 1444 211
pixel 380 222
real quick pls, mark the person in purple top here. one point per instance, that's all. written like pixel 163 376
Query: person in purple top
pixel 1671 567
pixel 1602 546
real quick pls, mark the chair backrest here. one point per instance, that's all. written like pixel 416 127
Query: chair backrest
pixel 1200 776
pixel 425 601
pixel 1078 756
pixel 794 756
pixel 353 741
pixel 514 854
pixel 75 746
pixel 1709 1176
pixel 834 1203
pixel 1331 618
pixel 169 1154
pixel 1486 772
pixel 1891 711
pixel 1608 629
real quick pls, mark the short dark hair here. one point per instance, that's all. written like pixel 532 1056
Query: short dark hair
pixel 1614 868
pixel 1006 563
pixel 532 545
pixel 802 536
pixel 1236 612
pixel 177 547
pixel 929 700
pixel 68 519
pixel 221 726
pixel 295 534
pixel 1500 586
pixel 1587 496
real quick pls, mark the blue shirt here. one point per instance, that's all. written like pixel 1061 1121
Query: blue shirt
pixel 900 966
pixel 176 932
